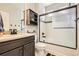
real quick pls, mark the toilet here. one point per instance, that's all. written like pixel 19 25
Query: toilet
pixel 40 48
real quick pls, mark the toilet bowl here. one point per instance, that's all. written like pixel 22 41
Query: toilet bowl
pixel 40 49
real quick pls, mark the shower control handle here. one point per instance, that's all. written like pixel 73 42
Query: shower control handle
pixel 43 35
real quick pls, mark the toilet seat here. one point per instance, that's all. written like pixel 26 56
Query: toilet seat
pixel 40 45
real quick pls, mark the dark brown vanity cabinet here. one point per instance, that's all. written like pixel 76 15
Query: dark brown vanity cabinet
pixel 29 49
pixel 18 47
pixel 15 52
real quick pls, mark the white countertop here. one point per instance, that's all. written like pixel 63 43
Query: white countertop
pixel 4 38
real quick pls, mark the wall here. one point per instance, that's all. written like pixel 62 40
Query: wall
pixel 62 51
pixel 34 7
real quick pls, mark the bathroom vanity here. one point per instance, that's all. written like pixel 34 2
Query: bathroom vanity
pixel 17 45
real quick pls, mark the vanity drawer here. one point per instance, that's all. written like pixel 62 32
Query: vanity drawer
pixel 12 44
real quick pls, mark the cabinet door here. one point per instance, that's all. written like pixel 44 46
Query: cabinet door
pixel 15 52
pixel 29 49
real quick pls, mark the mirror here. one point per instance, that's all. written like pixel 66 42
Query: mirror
pixel 12 14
